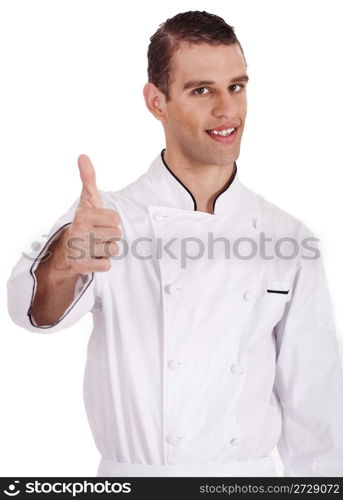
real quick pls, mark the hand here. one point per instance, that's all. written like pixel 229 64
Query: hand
pixel 90 217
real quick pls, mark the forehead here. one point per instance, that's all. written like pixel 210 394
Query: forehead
pixel 206 61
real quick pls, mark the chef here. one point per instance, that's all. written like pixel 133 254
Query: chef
pixel 213 337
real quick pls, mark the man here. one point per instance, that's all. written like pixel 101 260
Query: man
pixel 205 352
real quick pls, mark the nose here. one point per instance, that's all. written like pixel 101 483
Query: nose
pixel 225 106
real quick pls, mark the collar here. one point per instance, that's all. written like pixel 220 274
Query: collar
pixel 172 192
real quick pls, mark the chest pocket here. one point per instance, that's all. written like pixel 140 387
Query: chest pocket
pixel 276 294
pixel 280 287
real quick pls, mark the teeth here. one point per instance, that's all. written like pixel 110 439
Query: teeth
pixel 222 132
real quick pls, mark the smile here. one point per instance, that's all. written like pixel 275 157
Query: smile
pixel 227 136
pixel 222 132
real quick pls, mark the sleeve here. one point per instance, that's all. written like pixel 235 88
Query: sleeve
pixel 309 378
pixel 22 285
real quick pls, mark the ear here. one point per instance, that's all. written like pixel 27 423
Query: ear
pixel 154 100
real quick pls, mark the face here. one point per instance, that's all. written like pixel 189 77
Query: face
pixel 195 108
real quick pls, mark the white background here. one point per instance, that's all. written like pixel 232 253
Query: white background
pixel 72 74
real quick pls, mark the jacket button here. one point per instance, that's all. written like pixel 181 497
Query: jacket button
pixel 171 289
pixel 159 216
pixel 248 295
pixel 234 442
pixel 173 439
pixel 237 369
pixel 174 364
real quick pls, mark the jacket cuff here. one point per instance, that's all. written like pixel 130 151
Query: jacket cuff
pixel 80 288
pixel 22 286
pixel 81 285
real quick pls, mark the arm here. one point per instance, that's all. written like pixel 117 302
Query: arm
pixel 47 295
pixel 22 288
pixel 55 285
pixel 309 379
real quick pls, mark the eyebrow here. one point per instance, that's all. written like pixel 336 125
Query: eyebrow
pixel 199 83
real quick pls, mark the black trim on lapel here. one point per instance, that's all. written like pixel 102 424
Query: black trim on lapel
pixel 234 171
pixel 194 202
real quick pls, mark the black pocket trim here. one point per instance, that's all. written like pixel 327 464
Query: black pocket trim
pixel 277 291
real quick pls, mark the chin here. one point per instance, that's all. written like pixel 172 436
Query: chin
pixel 223 157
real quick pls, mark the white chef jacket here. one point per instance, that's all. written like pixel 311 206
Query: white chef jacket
pixel 200 366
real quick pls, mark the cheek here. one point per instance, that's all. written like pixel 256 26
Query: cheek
pixel 242 105
pixel 189 117
pixel 196 116
pixel 186 121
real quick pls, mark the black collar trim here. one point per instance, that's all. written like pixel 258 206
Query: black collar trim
pixel 230 181
pixel 195 203
pixel 233 175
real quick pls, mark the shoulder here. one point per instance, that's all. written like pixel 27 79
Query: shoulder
pixel 132 198
pixel 273 218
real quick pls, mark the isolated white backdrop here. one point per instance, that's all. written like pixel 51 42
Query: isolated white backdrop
pixel 72 74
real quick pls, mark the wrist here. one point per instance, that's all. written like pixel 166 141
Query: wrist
pixel 58 265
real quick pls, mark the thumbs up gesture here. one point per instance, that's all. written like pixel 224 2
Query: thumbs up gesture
pixel 90 219
pixel 90 196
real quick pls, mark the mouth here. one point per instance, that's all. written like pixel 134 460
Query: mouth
pixel 228 138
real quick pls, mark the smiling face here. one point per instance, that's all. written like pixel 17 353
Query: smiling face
pixel 194 108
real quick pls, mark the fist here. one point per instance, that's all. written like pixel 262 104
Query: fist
pixel 92 230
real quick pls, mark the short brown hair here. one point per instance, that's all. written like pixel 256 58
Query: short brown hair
pixel 193 27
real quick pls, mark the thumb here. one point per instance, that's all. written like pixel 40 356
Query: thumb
pixel 90 196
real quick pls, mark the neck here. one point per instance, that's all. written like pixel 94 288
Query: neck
pixel 205 182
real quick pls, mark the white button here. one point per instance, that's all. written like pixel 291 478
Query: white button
pixel 248 295
pixel 237 369
pixel 174 364
pixel 234 442
pixel 158 216
pixel 171 289
pixel 173 439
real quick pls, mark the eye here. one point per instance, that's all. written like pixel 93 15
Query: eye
pixel 200 88
pixel 235 88
pixel 237 85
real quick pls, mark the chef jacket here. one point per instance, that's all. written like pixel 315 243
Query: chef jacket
pixel 204 355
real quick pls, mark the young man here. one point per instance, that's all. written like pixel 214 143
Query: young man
pixel 207 349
